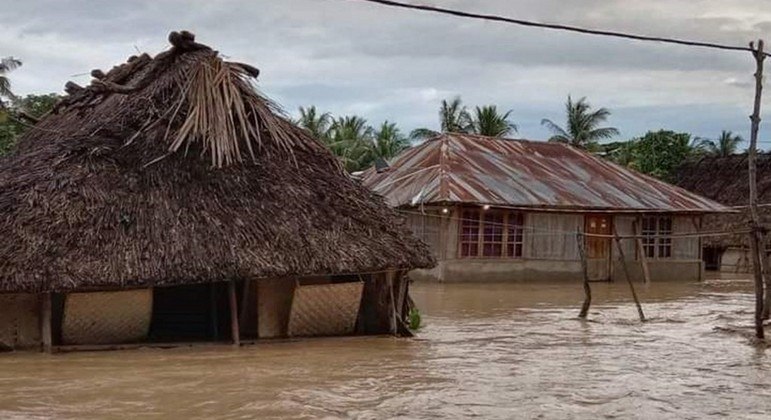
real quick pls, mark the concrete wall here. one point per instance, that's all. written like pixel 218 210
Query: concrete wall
pixel 735 260
pixel 669 270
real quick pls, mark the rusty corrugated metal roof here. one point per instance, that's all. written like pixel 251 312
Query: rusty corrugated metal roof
pixel 461 168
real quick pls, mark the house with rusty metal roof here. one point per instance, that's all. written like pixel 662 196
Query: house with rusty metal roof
pixel 496 209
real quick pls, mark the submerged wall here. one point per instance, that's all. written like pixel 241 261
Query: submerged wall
pixel 19 321
pixel 550 250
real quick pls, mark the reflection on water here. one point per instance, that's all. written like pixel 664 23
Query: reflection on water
pixel 490 351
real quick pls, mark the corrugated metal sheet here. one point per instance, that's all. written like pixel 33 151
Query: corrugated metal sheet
pixel 455 168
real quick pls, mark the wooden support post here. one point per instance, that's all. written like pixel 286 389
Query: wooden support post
pixel 392 319
pixel 213 312
pixel 45 322
pixel 643 255
pixel 756 234
pixel 628 277
pixel 234 328
pixel 585 269
pixel 244 303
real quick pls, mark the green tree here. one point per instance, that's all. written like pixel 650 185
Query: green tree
pixel 389 141
pixel 317 124
pixel 725 145
pixel 658 153
pixel 582 128
pixel 6 65
pixel 453 118
pixel 620 152
pixel 350 138
pixel 487 121
pixel 13 124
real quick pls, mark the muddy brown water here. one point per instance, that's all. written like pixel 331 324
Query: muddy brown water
pixel 486 351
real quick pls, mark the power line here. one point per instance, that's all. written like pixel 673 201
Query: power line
pixel 553 26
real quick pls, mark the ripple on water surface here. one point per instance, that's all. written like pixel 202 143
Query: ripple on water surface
pixel 489 351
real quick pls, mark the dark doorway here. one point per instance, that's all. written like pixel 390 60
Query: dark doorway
pixel 712 256
pixel 190 313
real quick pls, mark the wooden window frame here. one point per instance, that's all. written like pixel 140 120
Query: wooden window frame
pixel 512 234
pixel 657 247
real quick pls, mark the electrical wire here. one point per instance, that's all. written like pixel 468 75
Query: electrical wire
pixel 568 28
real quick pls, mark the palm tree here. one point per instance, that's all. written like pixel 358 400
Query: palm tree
pixel 316 124
pixel 350 138
pixel 725 145
pixel 582 127
pixel 6 65
pixel 488 122
pixel 453 118
pixel 389 141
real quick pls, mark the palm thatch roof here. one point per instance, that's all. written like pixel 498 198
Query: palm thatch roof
pixel 174 170
pixel 726 180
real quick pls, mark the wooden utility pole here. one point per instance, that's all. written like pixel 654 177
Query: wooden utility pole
pixel 756 235
pixel 585 268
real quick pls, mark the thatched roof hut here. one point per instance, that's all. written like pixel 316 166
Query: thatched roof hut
pixel 725 180
pixel 173 170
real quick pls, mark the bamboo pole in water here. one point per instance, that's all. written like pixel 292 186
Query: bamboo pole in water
pixel 628 278
pixel 756 236
pixel 584 266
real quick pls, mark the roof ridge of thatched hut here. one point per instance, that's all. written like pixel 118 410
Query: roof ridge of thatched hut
pixel 725 180
pixel 172 170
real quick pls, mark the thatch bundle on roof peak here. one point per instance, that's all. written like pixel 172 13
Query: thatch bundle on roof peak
pixel 172 169
pixel 198 100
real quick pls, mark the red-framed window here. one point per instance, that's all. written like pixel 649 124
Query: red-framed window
pixel 469 233
pixel 491 234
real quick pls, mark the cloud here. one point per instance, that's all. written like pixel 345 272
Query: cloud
pixel 354 57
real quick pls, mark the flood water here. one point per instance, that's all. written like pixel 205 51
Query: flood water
pixel 487 351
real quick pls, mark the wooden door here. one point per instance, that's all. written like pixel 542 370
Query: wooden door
pixel 598 250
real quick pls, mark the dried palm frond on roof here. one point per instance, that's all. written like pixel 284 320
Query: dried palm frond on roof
pixel 725 180
pixel 173 170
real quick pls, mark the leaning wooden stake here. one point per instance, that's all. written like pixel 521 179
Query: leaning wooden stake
pixel 585 269
pixel 628 278
pixel 756 234
pixel 234 328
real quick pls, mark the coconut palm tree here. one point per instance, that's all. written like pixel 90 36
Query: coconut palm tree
pixel 725 145
pixel 6 65
pixel 453 118
pixel 389 141
pixel 350 138
pixel 315 123
pixel 487 121
pixel 582 126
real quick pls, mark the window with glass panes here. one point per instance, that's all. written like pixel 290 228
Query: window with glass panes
pixel 654 241
pixel 491 234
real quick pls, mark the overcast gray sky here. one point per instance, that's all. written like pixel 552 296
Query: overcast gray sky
pixel 347 56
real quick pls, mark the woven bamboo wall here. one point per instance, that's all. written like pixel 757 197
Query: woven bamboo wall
pixel 325 310
pixel 107 317
pixel 274 301
pixel 19 321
